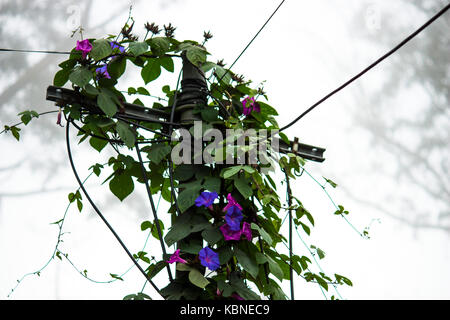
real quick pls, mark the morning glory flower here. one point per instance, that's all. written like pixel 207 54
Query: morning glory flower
pixel 231 203
pixel 234 218
pixel 103 71
pixel 206 199
pixel 249 104
pixel 247 231
pixel 175 257
pixel 58 119
pixel 209 258
pixel 115 45
pixel 236 296
pixel 84 46
pixel 229 234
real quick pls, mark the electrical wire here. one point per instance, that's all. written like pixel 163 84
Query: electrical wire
pixel 100 214
pixel 152 205
pixel 251 41
pixel 386 55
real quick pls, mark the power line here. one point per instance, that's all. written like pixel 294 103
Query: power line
pixel 37 51
pixel 251 41
pixel 386 55
pixel 100 214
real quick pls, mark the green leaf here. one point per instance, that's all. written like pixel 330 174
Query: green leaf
pixel 159 45
pixel 179 230
pixel 248 263
pixel 106 104
pixel 244 188
pixel 61 77
pixel 157 152
pixel 115 276
pixel 154 269
pixel 126 134
pixel 275 268
pixel 212 235
pixel 143 91
pixel 333 184
pixel 151 71
pixel 196 278
pixel 212 184
pixel 121 185
pixel 80 76
pixel 187 197
pixel 15 132
pixel 263 233
pixel 229 172
pixel 196 55
pixel 100 49
pixel 167 63
pixel 98 144
pixel 184 172
pixel 138 48
pixel 117 67
pixel 146 225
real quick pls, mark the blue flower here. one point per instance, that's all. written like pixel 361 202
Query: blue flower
pixel 206 199
pixel 115 45
pixel 234 218
pixel 103 71
pixel 209 258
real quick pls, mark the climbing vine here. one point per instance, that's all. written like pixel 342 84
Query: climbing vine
pixel 226 217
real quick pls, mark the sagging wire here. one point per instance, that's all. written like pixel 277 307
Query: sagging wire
pixel 152 205
pixel 100 214
pixel 379 60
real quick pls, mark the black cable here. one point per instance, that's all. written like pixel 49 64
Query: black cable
pixel 289 196
pixel 142 127
pixel 152 205
pixel 390 52
pixel 37 51
pixel 248 45
pixel 100 214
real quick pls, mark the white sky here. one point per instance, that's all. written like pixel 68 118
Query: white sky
pixel 307 50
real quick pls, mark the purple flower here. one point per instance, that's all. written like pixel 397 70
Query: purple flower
pixel 249 104
pixel 115 45
pixel 58 119
pixel 231 203
pixel 103 71
pixel 237 297
pixel 84 46
pixel 229 234
pixel 209 258
pixel 234 218
pixel 206 199
pixel 247 231
pixel 176 257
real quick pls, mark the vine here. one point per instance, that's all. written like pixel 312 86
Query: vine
pixel 225 216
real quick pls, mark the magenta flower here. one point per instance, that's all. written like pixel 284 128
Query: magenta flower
pixel 234 218
pixel 249 104
pixel 103 71
pixel 209 258
pixel 236 296
pixel 206 199
pixel 84 46
pixel 231 203
pixel 247 231
pixel 229 234
pixel 175 257
pixel 58 119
